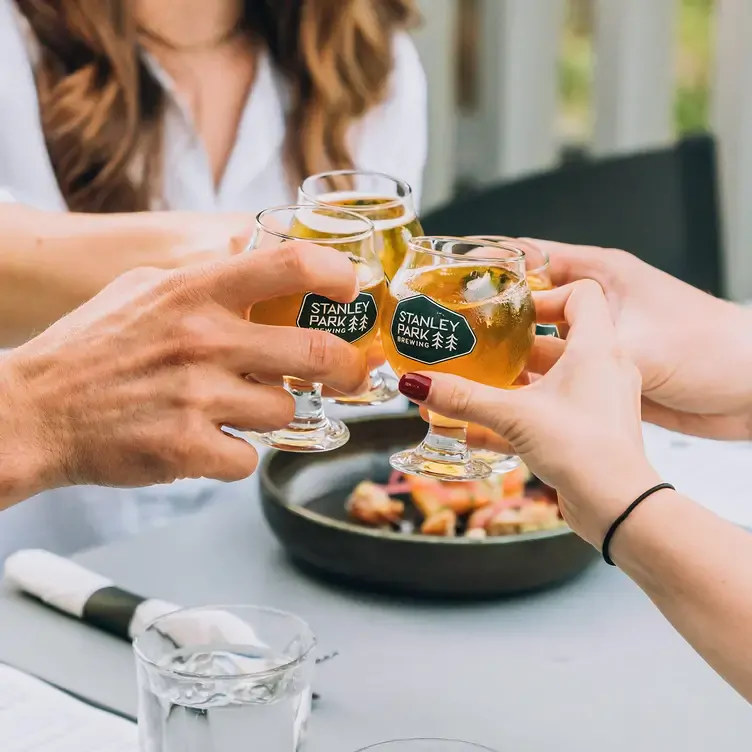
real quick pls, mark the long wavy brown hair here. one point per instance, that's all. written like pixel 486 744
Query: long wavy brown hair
pixel 102 109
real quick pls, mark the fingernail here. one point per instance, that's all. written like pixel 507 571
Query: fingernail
pixel 415 387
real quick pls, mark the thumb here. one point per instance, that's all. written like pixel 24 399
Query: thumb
pixel 462 399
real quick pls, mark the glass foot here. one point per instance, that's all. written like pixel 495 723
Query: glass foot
pixel 413 462
pixel 332 434
pixel 383 389
pixel 500 463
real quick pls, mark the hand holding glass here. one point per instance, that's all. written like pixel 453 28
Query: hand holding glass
pixel 355 322
pixel 452 309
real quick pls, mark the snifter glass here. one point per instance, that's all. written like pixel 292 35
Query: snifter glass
pixel 388 203
pixel 463 307
pixel 538 272
pixel 356 322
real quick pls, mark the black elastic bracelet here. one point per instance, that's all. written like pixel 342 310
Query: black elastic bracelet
pixel 623 516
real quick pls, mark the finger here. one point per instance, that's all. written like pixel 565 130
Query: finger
pixel 461 399
pixel 375 353
pixel 307 354
pixel 269 379
pixel 293 267
pixel 250 407
pixel 569 263
pixel 722 427
pixel 224 457
pixel 583 307
pixel 479 437
pixel 544 355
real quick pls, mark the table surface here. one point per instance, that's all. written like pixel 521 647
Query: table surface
pixel 588 666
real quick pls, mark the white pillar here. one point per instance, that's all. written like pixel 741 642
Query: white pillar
pixel 635 43
pixel 435 40
pixel 515 131
pixel 732 115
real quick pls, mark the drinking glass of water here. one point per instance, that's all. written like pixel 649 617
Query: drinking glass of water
pixel 426 745
pixel 224 679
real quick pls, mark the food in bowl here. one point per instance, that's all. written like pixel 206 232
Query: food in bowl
pixel 508 504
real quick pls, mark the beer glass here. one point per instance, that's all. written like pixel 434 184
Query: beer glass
pixel 538 278
pixel 388 203
pixel 356 322
pixel 463 307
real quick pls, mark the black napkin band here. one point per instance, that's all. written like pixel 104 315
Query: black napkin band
pixel 111 609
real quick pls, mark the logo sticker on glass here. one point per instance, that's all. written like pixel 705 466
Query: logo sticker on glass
pixel 348 321
pixel 425 331
pixel 546 330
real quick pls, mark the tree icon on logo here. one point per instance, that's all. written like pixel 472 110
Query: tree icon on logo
pixel 364 322
pixel 437 341
pixel 353 325
pixel 451 343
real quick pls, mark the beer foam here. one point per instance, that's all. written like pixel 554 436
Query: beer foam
pixel 480 291
pixel 380 224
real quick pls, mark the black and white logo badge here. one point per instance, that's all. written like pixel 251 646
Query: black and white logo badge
pixel 348 321
pixel 425 331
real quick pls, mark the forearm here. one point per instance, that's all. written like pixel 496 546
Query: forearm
pixel 696 568
pixel 50 263
pixel 717 372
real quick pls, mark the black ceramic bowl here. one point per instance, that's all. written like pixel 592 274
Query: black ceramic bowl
pixel 304 497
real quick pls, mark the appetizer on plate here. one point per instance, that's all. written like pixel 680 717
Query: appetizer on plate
pixel 516 502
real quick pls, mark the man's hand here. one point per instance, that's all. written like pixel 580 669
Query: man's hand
pixel 133 387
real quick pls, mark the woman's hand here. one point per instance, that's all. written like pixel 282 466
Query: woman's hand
pixel 694 351
pixel 134 386
pixel 577 427
pixel 52 262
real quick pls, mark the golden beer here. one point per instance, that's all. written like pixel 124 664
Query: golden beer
pixel 494 302
pixel 394 222
pixel 355 322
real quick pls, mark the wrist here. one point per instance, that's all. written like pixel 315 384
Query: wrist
pixel 29 449
pixel 647 534
pixel 594 506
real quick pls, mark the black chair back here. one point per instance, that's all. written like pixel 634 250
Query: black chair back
pixel 661 205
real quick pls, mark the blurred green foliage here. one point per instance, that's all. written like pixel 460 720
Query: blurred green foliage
pixel 694 60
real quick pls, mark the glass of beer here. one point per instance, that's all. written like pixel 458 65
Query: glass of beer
pixel 388 203
pixel 538 278
pixel 457 306
pixel 356 322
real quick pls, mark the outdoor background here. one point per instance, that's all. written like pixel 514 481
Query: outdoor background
pixel 693 69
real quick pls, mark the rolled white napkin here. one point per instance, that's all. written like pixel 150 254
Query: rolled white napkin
pixel 96 600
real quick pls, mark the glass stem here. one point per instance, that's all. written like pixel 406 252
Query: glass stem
pixel 309 405
pixel 446 440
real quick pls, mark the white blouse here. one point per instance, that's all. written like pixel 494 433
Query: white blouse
pixel 391 138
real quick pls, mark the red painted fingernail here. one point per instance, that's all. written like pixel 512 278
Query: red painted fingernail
pixel 415 387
